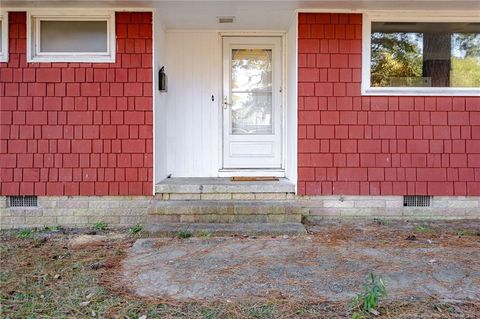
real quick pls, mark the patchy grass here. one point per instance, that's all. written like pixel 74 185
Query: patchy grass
pixel 424 229
pixel 467 232
pixel 41 276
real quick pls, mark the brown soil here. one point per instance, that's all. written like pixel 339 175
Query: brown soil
pixel 42 276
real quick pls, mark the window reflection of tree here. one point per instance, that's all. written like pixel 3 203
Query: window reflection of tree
pixel 251 91
pixel 395 55
pixel 436 56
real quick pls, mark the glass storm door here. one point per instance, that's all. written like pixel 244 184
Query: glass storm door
pixel 252 102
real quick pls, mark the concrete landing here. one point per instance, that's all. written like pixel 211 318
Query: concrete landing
pixel 216 229
pixel 213 185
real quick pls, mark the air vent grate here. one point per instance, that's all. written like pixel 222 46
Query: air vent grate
pixel 225 19
pixel 22 201
pixel 416 201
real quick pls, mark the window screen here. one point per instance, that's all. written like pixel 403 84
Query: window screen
pixel 73 36
pixel 410 54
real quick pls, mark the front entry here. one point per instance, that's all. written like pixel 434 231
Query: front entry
pixel 252 103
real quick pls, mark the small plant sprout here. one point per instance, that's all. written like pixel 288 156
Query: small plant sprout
pixel 462 233
pixel 54 228
pixel 204 234
pixel 366 303
pixel 25 234
pixel 381 221
pixel 424 229
pixel 100 226
pixel 135 229
pixel 184 234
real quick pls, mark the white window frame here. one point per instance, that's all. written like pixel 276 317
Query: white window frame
pixel 5 37
pixel 368 18
pixel 33 36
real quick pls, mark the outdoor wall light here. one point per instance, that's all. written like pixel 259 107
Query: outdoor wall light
pixel 162 80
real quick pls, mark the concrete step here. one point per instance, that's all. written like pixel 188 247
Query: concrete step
pixel 200 185
pixel 225 212
pixel 230 229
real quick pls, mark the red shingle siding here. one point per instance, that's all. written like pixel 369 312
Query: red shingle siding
pixel 73 128
pixel 385 145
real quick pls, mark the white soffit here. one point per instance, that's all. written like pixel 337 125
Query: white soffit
pixel 249 14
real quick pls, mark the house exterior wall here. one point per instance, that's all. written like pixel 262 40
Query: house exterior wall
pixel 350 144
pixel 78 128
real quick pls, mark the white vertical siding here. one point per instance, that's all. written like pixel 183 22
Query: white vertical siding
pixel 192 119
pixel 291 113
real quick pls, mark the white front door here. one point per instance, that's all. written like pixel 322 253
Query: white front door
pixel 252 102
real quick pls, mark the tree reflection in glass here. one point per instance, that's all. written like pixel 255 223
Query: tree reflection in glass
pixel 251 97
pixel 408 54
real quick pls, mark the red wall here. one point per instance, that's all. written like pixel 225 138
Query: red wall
pixel 78 128
pixel 389 145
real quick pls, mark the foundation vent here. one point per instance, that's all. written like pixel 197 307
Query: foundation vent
pixel 416 201
pixel 225 19
pixel 22 201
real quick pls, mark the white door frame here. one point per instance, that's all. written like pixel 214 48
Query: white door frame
pixel 279 171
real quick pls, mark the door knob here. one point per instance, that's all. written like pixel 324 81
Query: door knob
pixel 225 103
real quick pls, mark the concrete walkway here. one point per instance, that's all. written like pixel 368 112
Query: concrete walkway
pixel 333 263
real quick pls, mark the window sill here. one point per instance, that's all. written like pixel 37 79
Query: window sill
pixel 403 91
pixel 73 58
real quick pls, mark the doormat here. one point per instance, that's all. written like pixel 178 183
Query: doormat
pixel 253 178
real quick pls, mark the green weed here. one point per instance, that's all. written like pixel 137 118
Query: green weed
pixel 424 229
pixel 462 233
pixel 100 226
pixel 54 228
pixel 25 234
pixel 135 229
pixel 204 234
pixel 262 311
pixel 366 303
pixel 184 234
pixel 381 221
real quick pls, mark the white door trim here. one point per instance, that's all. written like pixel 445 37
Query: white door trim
pixel 260 40
pixel 251 172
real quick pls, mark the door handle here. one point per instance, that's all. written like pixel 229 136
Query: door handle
pixel 225 103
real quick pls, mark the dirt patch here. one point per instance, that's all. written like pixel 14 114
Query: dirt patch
pixel 42 276
pixel 297 268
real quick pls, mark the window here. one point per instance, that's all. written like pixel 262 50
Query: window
pixel 4 37
pixel 83 38
pixel 405 56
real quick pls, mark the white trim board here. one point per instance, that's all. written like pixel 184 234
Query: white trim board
pixel 251 172
pixel 5 37
pixel 291 99
pixel 395 12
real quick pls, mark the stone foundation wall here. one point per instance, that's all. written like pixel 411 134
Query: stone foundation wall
pixel 78 211
pixel 83 211
pixel 441 207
